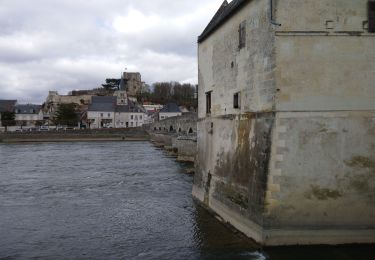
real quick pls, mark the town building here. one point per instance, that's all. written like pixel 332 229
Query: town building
pixel 169 110
pixel 28 115
pixel 116 111
pixel 286 120
pixel 54 100
pixel 101 112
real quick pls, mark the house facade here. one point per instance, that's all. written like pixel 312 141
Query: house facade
pixel 286 120
pixel 116 111
pixel 28 115
pixel 101 112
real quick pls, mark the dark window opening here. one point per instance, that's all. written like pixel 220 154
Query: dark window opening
pixel 208 102
pixel 171 129
pixel 154 128
pixel 159 128
pixel 242 35
pixel 179 130
pixel 236 100
pixel 371 16
pixel 191 131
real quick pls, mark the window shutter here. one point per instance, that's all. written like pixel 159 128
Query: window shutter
pixel 371 16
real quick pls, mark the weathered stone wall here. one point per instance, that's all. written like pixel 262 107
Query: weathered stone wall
pixel 295 164
pixel 225 69
pixel 186 148
pixel 177 134
pixel 232 166
pixel 325 56
pixel 185 124
pixel 321 182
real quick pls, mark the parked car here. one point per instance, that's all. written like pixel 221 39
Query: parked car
pixel 44 128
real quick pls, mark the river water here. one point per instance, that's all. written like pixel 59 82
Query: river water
pixel 117 200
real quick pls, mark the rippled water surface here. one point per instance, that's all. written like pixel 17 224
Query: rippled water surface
pixel 113 200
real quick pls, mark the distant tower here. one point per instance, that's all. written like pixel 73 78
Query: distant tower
pixel 131 82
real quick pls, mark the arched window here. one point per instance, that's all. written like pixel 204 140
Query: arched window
pixel 171 128
pixel 191 130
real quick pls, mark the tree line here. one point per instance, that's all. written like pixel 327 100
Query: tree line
pixel 167 92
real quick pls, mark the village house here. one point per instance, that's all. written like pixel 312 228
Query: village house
pixel 286 120
pixel 28 115
pixel 116 111
pixel 169 110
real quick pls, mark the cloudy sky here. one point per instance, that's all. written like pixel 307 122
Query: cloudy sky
pixel 75 44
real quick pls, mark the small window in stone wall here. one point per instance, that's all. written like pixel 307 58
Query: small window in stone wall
pixel 208 102
pixel 371 16
pixel 236 100
pixel 242 35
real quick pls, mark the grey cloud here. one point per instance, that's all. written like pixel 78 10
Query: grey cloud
pixel 73 44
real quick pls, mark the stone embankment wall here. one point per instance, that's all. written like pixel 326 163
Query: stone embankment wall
pixel 178 135
pixel 128 134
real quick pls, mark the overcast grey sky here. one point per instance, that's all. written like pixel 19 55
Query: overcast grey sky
pixel 75 44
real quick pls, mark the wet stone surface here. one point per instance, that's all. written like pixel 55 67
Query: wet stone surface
pixel 116 200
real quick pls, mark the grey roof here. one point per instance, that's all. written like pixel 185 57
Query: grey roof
pixel 7 105
pixel 27 109
pixel 131 107
pixel 170 108
pixel 109 104
pixel 222 15
pixel 103 99
pixel 103 104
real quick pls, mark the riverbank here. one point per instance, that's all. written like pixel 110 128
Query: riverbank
pixel 126 134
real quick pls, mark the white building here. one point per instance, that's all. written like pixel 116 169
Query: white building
pixel 116 111
pixel 28 115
